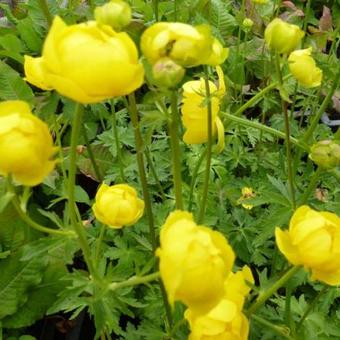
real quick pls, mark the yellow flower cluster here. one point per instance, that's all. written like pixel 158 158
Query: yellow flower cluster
pixel 313 241
pixel 86 62
pixel 195 265
pixel 118 205
pixel 26 146
pixel 194 112
pixel 282 37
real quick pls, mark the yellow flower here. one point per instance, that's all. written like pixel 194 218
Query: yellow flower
pixel 118 205
pixel 304 69
pixel 26 146
pixel 282 37
pixel 194 262
pixel 185 44
pixel 115 13
pixel 226 320
pixel 86 62
pixel 223 322
pixel 246 193
pixel 313 241
pixel 195 112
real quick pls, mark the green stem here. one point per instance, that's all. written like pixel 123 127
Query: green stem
pixel 175 151
pixel 194 178
pixel 252 101
pixel 322 108
pixel 155 9
pixel 311 306
pixel 99 243
pixel 117 142
pixel 91 155
pixel 141 167
pixel 287 131
pixel 47 14
pixel 77 225
pixel 154 173
pixel 134 281
pixel 262 298
pixel 35 225
pixel 283 331
pixel 264 128
pixel 132 107
pixel 305 21
pixel 311 186
pixel 209 148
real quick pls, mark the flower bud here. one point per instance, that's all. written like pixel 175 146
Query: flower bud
pixel 118 205
pixel 247 23
pixel 188 255
pixel 282 37
pixel 116 13
pixel 167 73
pixel 26 146
pixel 313 241
pixel 326 154
pixel 186 45
pixel 304 69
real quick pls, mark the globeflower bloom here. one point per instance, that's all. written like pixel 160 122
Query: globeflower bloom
pixel 195 112
pixel 313 241
pixel 304 69
pixel 246 193
pixel 194 262
pixel 118 205
pixel 26 146
pixel 282 37
pixel 86 62
pixel 326 154
pixel 186 45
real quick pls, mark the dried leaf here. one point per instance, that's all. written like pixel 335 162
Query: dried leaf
pixel 325 23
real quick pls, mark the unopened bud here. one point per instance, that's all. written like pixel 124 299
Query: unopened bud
pixel 167 73
pixel 116 13
pixel 247 23
pixel 326 154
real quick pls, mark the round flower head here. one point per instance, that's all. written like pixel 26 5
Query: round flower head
pixel 86 62
pixel 304 69
pixel 118 205
pixel 186 45
pixel 26 146
pixel 313 241
pixel 282 37
pixel 326 154
pixel 195 114
pixel 194 262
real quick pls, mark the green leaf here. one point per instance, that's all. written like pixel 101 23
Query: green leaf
pixel 39 298
pixel 28 34
pixel 17 277
pixel 12 86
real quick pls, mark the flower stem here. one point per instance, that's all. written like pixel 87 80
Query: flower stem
pixel 132 107
pixel 311 185
pixel 155 9
pixel 262 298
pixel 264 128
pixel 134 281
pixel 194 177
pixel 77 225
pixel 175 151
pixel 117 142
pixel 209 148
pixel 287 131
pixel 34 225
pixel 91 155
pixel 311 306
pixel 283 331
pixel 141 167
